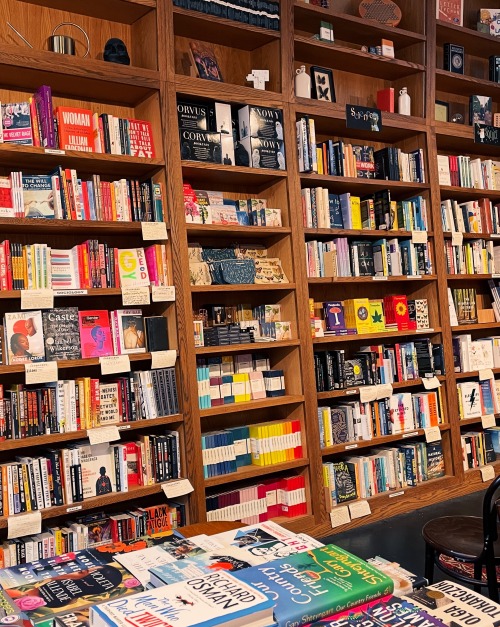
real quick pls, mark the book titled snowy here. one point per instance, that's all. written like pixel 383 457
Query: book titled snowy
pixel 215 599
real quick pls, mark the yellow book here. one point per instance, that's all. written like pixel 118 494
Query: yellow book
pixel 88 403
pixel 25 267
pixel 255 432
pixel 27 498
pixel 377 318
pixel 240 388
pixel 273 442
pixel 266 445
pixel 284 449
pixel 355 202
pixel 394 215
pixel 356 312
pixel 327 426
pixel 319 157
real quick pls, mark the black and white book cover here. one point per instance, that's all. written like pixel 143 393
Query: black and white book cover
pixel 61 333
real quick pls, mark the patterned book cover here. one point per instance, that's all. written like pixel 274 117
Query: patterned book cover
pixel 62 333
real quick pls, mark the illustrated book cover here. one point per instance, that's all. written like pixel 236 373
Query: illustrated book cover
pixel 61 332
pixel 95 334
pixel 24 337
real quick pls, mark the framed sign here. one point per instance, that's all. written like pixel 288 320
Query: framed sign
pixel 364 118
pixel 322 84
pixel 442 111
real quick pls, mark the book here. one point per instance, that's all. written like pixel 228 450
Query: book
pixel 205 61
pixel 16 123
pixel 38 196
pixel 139 563
pixel 75 129
pixel 128 331
pixel 24 341
pixel 214 599
pixel 132 267
pixel 308 586
pixel 140 139
pixel 98 473
pixel 61 332
pixel 95 334
pixel 80 618
pixel 450 11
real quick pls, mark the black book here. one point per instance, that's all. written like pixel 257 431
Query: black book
pixel 453 58
pixel 156 331
pixel 438 356
pixel 61 333
pixel 495 68
pixel 345 481
pixel 423 349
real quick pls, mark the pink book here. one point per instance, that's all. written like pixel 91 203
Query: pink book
pixel 95 334
pixel 150 253
pixel 257 386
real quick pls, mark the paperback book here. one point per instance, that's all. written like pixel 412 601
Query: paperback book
pixel 24 342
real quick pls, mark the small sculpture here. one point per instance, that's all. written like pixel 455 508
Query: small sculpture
pixel 259 78
pixel 115 51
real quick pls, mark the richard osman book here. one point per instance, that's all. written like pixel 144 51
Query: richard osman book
pixel 311 585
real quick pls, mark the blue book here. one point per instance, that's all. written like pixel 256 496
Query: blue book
pixel 345 208
pixel 487 403
pixel 336 221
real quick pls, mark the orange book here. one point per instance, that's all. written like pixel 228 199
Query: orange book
pixel 112 193
pixel 75 128
pixel 433 409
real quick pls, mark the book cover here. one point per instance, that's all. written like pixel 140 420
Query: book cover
pixel 61 332
pixel 201 146
pixel 345 482
pixel 311 585
pixel 79 618
pixel 141 140
pixel 16 123
pixel 95 334
pixel 208 600
pixel 130 328
pixel 450 11
pixel 38 197
pixel 480 110
pixel 109 404
pixel 98 477
pixel 132 267
pixel 24 337
pixel 139 563
pixel 205 61
pixel 75 129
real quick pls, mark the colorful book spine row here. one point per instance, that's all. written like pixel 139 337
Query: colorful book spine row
pixel 474 216
pixel 377 364
pixel 63 195
pixel 463 171
pixel 324 210
pixel 88 265
pixel 73 474
pixel 477 257
pixel 479 448
pixel 225 451
pixel 399 413
pixel 385 469
pixel 67 406
pixel 470 355
pixel 261 502
pixel 339 158
pixel 478 398
pixel 342 258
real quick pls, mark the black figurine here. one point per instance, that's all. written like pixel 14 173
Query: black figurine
pixel 115 51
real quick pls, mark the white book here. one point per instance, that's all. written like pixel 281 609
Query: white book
pixel 471 402
pixel 444 170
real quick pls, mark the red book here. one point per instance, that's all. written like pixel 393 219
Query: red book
pixel 95 333
pixel 298 454
pixel 385 99
pixel 132 463
pixel 396 311
pixel 75 129
pixel 450 11
pixel 141 139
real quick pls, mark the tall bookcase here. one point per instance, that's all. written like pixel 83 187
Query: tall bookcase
pixel 157 34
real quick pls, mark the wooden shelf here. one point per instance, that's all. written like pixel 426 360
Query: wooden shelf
pixel 370 279
pixel 368 233
pixel 232 408
pixel 99 292
pixel 244 348
pixel 74 77
pixel 459 139
pixel 492 236
pixel 249 472
pixel 124 11
pixel 351 28
pixel 221 31
pixel 55 438
pixel 334 339
pixel 255 287
pixel 476 44
pixel 466 193
pixel 469 277
pixel 339 57
pixel 30 157
pixel 225 230
pixel 465 85
pixel 188 86
pixel 468 422
pixel 361 186
pixel 472 374
pixel 44 225
pixel 72 363
pixel 352 447
pixel 217 175
pixel 476 327
pixel 397 385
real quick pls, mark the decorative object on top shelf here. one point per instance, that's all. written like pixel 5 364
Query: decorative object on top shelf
pixel 457 118
pixel 115 51
pixel 302 83
pixel 489 22
pixel 387 48
pixel 404 102
pixel 453 58
pixel 384 11
pixel 63 44
pixel 323 87
pixel 325 32
pixel 441 111
pixel 205 61
pixel 450 11
pixel 259 78
pixel 385 99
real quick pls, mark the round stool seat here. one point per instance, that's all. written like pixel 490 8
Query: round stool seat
pixel 457 536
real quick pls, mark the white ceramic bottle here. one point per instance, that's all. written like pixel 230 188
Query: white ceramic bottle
pixel 302 83
pixel 404 102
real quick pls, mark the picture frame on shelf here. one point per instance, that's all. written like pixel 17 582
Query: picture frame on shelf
pixel 442 111
pixel 322 85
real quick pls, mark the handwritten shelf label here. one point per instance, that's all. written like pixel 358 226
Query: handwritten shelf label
pixel 114 364
pixel 359 509
pixel 163 359
pixel 132 296
pixel 432 383
pixel 488 421
pixel 154 230
pixel 419 237
pixel 163 293
pixel 103 435
pixel 180 487
pixel 432 434
pixel 24 525
pixel 487 473
pixel 37 299
pixel 340 516
pixel 43 372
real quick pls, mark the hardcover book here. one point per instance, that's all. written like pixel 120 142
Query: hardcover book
pixel 139 563
pixel 62 333
pixel 38 197
pixel 24 337
pixel 140 136
pixel 73 619
pixel 95 334
pixel 128 329
pixel 201 146
pixel 480 110
pixel 16 123
pixel 260 122
pixel 205 61
pixel 75 129
pixel 133 268
pixel 98 476
pixel 450 11
pixel 194 115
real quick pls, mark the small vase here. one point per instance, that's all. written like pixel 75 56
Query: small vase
pixel 302 83
pixel 404 102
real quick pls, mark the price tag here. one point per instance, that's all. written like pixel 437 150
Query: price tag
pixel 351 391
pixel 429 330
pixel 485 373
pixel 488 421
pixel 432 434
pixel 24 525
pixel 43 372
pixel 487 473
pixel 70 292
pixel 123 427
pixel 359 509
pixel 54 151
pixel 180 487
pixel 419 237
pixel 379 278
pixel 114 364
pixel 340 516
pixel 432 383
pixel 411 434
pixel 384 390
pixel 154 230
pixel 368 393
pixel 457 239
pixel 75 508
pixel 163 293
pixel 348 447
pixel 163 359
pixel 413 276
pixel 395 494
pixel 103 435
pixel 37 299
pixel 132 296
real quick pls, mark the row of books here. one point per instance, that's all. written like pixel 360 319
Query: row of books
pixel 463 171
pixel 88 265
pixel 388 468
pixel 263 13
pixel 339 158
pixel 263 444
pixel 63 195
pixel 470 354
pixel 241 333
pixel 206 207
pixel 324 210
pixel 473 216
pixel 364 316
pixel 477 257
pixel 67 333
pixel 343 258
pixel 264 501
pixel 69 405
pixel 477 449
pixel 463 305
pixel 81 471
pixel 398 413
pixel 478 398
pixel 378 364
